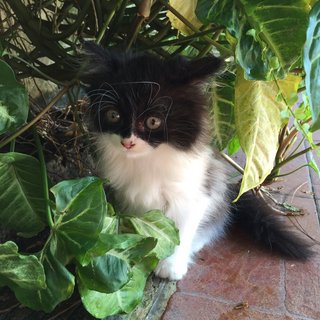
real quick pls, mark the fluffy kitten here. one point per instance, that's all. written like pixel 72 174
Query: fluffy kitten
pixel 152 127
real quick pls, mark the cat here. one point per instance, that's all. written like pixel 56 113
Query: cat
pixel 151 122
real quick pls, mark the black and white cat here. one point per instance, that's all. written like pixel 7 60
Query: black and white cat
pixel 151 122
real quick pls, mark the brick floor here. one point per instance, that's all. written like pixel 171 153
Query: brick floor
pixel 235 280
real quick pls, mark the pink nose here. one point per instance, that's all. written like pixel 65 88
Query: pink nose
pixel 128 144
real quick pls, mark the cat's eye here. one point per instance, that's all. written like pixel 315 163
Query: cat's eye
pixel 113 116
pixel 153 123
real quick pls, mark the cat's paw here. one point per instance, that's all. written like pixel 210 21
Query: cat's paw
pixel 171 269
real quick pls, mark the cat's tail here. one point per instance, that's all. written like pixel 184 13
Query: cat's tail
pixel 267 228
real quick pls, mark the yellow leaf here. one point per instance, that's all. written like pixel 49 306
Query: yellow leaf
pixel 186 9
pixel 289 88
pixel 258 123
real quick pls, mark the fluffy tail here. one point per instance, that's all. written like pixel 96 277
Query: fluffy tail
pixel 260 222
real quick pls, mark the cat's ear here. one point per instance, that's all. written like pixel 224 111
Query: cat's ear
pixel 97 64
pixel 198 70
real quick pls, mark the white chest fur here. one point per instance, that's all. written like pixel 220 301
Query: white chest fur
pixel 173 181
pixel 154 179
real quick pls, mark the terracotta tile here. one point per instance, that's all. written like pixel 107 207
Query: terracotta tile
pixel 302 280
pixel 235 270
pixel 302 287
pixel 183 306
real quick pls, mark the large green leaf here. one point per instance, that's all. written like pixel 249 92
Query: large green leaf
pixel 222 12
pixel 22 271
pixel 81 210
pixel 22 201
pixel 132 246
pixel 155 224
pixel 14 103
pixel 255 58
pixel 282 24
pixel 60 285
pixel 222 111
pixel 312 64
pixel 258 122
pixel 101 305
pixel 106 273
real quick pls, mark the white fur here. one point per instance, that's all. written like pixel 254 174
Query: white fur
pixel 171 180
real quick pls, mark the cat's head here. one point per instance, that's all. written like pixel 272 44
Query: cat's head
pixel 141 101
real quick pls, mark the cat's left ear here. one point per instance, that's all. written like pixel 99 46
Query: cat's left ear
pixel 196 70
pixel 204 67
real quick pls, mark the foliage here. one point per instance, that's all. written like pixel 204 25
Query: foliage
pixel 111 267
pixel 271 53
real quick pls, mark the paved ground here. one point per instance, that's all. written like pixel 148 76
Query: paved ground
pixel 236 280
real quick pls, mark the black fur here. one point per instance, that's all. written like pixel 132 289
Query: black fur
pixel 142 85
pixel 138 86
pixel 267 228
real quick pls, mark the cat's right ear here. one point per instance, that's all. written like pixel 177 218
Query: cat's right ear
pixel 96 64
pixel 182 70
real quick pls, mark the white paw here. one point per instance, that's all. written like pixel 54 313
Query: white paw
pixel 171 268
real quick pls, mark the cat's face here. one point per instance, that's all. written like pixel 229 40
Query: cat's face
pixel 140 101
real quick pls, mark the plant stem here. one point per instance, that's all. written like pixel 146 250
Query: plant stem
pixel 44 177
pixel 295 156
pixel 288 173
pixel 12 145
pixel 36 119
pixel 107 21
pixel 232 162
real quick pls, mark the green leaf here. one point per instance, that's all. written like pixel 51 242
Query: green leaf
pixel 22 271
pixel 223 12
pixel 255 58
pixel 222 111
pixel 22 198
pixel 107 273
pixel 101 305
pixel 14 103
pixel 312 164
pixel 82 208
pixel 156 225
pixel 67 191
pixel 60 285
pixel 131 246
pixel 258 122
pixel 302 113
pixel 233 145
pixel 100 247
pixel 136 253
pixel 281 25
pixel 312 65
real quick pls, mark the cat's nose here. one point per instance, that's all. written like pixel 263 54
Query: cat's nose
pixel 127 143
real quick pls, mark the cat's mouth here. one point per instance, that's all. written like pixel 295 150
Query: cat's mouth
pixel 128 146
pixel 128 143
pixel 135 147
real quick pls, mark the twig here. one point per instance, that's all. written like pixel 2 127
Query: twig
pixel 232 162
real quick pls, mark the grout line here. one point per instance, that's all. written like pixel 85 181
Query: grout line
pixel 282 285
